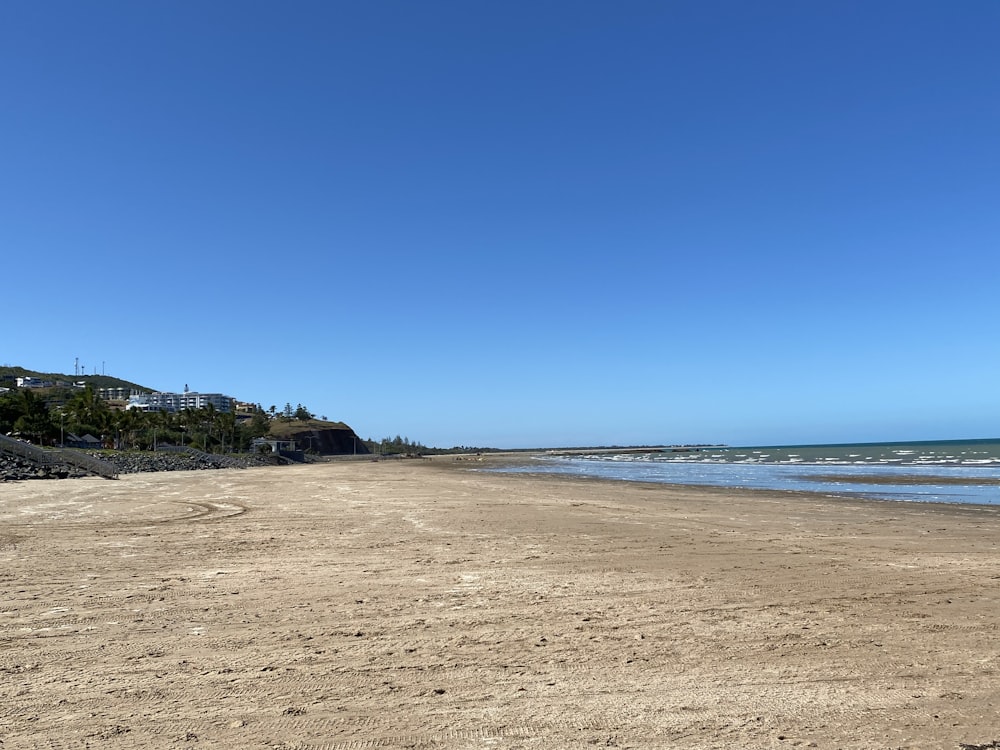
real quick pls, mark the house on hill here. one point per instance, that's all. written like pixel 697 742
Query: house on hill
pixel 32 382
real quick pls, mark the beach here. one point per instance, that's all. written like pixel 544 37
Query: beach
pixel 427 604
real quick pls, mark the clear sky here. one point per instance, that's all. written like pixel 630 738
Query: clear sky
pixel 515 224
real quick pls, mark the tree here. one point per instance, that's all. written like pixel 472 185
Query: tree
pixel 208 420
pixel 87 412
pixel 164 421
pixel 126 424
pixel 10 410
pixel 185 418
pixel 302 413
pixel 34 420
pixel 259 425
pixel 227 427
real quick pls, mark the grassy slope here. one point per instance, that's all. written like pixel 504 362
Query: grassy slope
pixel 283 429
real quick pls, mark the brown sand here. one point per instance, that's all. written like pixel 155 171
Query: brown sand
pixel 423 605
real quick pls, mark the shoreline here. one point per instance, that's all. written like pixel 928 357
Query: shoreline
pixel 831 494
pixel 425 603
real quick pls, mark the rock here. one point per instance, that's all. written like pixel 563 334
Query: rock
pixel 15 468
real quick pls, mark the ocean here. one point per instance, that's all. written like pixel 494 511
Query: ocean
pixel 957 471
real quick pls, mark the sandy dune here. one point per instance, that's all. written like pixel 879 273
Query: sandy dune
pixel 423 605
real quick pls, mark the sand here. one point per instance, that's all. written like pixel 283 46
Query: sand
pixel 418 604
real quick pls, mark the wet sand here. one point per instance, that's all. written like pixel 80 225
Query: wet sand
pixel 421 604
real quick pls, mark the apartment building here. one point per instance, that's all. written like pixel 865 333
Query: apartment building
pixel 174 402
pixel 117 394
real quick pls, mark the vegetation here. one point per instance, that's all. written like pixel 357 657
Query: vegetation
pixel 9 374
pixel 283 429
pixel 396 446
pixel 47 416
pixel 404 446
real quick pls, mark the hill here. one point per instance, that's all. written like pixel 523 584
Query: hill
pixel 9 373
pixel 326 438
pixel 283 428
pixel 314 435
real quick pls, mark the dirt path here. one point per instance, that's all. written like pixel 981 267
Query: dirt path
pixel 396 605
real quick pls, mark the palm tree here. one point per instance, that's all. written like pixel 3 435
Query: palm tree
pixel 227 425
pixel 86 410
pixel 35 421
pixel 185 419
pixel 208 414
pixel 160 420
pixel 125 424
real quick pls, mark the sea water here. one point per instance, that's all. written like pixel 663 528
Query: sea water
pixel 960 471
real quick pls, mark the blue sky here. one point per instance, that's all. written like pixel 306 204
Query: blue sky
pixel 515 224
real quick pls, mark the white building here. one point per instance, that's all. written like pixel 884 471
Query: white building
pixel 175 402
pixel 117 394
pixel 30 382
